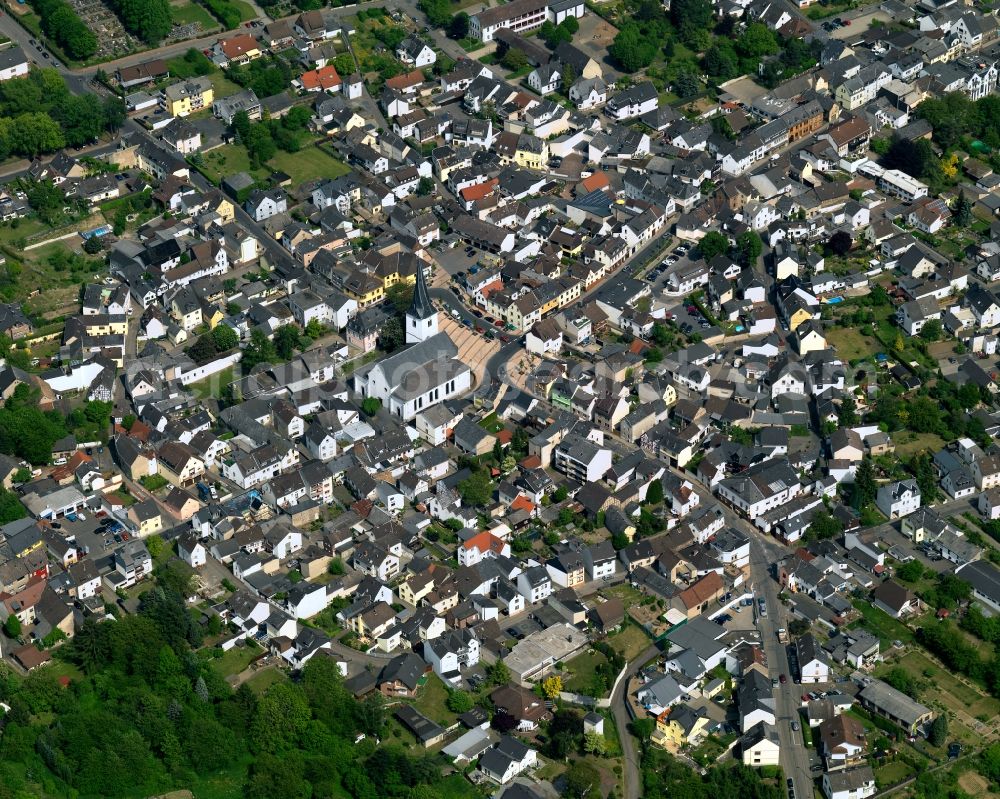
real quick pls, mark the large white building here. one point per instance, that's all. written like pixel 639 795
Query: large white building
pixel 425 373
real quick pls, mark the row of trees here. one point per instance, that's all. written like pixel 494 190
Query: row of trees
pixel 62 25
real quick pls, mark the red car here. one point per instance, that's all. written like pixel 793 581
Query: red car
pixel 782 679
pixel 479 330
pixel 498 323
pixel 847 22
pixel 805 697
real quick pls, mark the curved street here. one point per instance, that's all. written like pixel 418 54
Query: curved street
pixel 620 710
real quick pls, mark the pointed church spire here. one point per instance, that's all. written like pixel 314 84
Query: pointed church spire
pixel 422 308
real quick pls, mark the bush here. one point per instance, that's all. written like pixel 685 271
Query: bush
pixel 228 14
pixel 61 23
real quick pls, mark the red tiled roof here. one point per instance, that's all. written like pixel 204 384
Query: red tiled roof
pixel 596 181
pixel 479 190
pixel 406 80
pixel 325 78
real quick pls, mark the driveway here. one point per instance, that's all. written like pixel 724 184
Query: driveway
pixel 622 713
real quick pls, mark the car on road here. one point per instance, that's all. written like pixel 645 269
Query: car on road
pixel 795 726
pixel 478 314
pixel 783 678
pixel 479 329
pixel 790 782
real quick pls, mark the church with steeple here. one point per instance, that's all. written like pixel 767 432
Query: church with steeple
pixel 422 318
pixel 426 372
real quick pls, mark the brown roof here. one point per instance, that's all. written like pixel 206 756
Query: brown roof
pixel 841 730
pixel 406 80
pixel 519 703
pixel 30 657
pixel 703 590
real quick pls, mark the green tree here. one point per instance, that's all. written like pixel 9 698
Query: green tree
pixel 438 11
pixel 12 626
pixel 750 246
pixel 911 571
pixel 713 243
pixel 425 186
pixel 686 84
pixel 458 28
pixel 286 340
pixel 840 243
pixel 477 489
pixel 938 733
pixel 514 59
pixel 459 701
pixel 756 41
pixel 848 414
pixel 631 49
pixel 962 214
pixel 370 405
pixel 260 145
pixel 225 338
pixel 824 526
pixel 654 494
pixel 260 349
pixel 498 673
pixel 865 486
pixel 932 330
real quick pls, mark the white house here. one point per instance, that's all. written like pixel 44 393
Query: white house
pixel 192 551
pixel 813 665
pixel 452 652
pixel 760 746
pixel 506 760
pixel 852 783
pixel 898 499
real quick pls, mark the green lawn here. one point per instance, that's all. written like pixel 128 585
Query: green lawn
pixel 24 229
pixel 630 641
pixel 455 786
pixel 222 85
pixel 891 773
pixel 881 624
pixel 582 670
pixel 187 13
pixel 246 10
pixel 908 443
pixel 212 386
pixel 308 164
pixel 850 344
pixel 431 699
pixel 264 679
pixel 235 660
pixel 228 160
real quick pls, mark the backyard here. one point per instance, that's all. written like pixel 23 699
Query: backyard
pixel 235 660
pixel 212 386
pixel 630 641
pixel 309 163
pixel 431 700
pixel 908 443
pixel 580 672
pixel 850 344
pixel 881 624
pixel 945 687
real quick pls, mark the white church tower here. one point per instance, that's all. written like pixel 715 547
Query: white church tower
pixel 422 318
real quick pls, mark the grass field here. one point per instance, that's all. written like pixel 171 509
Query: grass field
pixel 308 164
pixel 850 344
pixel 264 679
pixel 187 13
pixel 882 624
pixel 908 443
pixel 246 10
pixel 222 85
pixel 582 670
pixel 212 386
pixel 891 773
pixel 26 228
pixel 630 641
pixel 235 660
pixel 431 699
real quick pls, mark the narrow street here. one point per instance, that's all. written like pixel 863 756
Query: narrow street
pixel 619 708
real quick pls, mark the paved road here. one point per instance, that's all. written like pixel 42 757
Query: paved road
pixel 794 755
pixel 620 710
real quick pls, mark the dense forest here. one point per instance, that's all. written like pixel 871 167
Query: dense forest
pixel 150 714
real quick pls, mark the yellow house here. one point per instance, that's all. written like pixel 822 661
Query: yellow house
pixel 416 588
pixel 212 317
pixel 147 517
pixel 106 324
pixel 188 97
pixel 809 338
pixel 532 152
pixel 798 317
pixel 364 288
pixel 679 726
pixel 221 206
